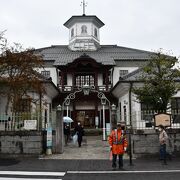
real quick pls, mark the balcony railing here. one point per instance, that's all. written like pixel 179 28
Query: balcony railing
pixel 102 88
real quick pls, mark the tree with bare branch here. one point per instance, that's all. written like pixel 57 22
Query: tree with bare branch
pixel 17 72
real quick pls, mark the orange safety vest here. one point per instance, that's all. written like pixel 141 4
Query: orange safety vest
pixel 118 141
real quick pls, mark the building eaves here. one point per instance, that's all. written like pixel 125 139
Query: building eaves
pixel 106 54
pixel 83 18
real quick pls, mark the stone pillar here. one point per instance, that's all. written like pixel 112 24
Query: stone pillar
pixel 59 132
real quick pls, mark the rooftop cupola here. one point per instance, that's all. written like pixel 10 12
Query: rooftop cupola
pixel 84 32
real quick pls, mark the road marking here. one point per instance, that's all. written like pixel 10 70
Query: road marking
pixel 32 173
pixel 122 172
pixel 4 178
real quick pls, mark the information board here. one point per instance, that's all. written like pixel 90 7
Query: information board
pixel 30 124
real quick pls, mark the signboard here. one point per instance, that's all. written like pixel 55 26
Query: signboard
pixel 49 137
pixel 108 129
pixel 163 119
pixel 97 121
pixel 30 124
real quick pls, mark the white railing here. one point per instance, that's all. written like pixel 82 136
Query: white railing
pixel 145 120
pixel 23 121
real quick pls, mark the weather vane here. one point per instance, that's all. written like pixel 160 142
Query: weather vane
pixel 84 4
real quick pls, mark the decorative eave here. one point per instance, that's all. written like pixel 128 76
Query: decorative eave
pixel 74 19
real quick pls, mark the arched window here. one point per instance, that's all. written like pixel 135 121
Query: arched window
pixel 95 32
pixel 72 32
pixel 83 29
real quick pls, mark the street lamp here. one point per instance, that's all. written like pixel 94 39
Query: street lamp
pixel 103 102
pixel 129 131
pixel 67 103
pixel 59 108
pixel 113 108
pixel 86 89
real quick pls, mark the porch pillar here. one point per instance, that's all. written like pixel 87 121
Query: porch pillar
pixel 62 80
pixel 96 80
pixel 59 132
pixel 107 80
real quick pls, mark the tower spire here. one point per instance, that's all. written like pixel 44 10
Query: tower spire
pixel 84 4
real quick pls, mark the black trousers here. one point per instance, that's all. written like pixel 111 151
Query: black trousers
pixel 120 160
pixel 79 140
pixel 66 136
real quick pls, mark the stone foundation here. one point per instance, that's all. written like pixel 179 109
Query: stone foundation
pixel 21 142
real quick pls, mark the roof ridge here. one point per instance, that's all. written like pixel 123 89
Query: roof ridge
pixel 145 51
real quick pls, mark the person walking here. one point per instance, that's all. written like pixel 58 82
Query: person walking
pixel 163 137
pixel 66 133
pixel 118 144
pixel 80 133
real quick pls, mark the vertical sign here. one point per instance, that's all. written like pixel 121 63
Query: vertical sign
pixel 49 137
pixel 96 121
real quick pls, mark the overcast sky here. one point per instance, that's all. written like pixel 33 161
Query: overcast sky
pixel 141 24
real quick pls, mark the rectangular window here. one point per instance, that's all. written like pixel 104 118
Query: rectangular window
pixel 46 73
pixel 123 72
pixel 147 112
pixel 84 79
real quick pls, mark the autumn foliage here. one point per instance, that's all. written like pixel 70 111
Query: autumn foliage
pixel 17 71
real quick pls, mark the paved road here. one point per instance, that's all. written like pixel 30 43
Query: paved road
pixel 126 176
pixel 88 175
pixel 33 168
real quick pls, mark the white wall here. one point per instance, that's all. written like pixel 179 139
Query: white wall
pixel 100 79
pixel 124 101
pixel 177 94
pixel 69 79
pixel 135 108
pixel 53 73
pixel 116 72
pixel 77 31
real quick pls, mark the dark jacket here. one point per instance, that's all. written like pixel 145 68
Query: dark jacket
pixel 79 130
pixel 66 130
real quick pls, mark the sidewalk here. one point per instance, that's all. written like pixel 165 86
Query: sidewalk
pixel 94 155
pixel 93 147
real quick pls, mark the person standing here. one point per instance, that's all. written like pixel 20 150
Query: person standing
pixel 163 137
pixel 80 133
pixel 118 144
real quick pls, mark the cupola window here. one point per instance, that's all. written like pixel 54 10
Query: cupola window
pixel 83 29
pixel 72 32
pixel 95 32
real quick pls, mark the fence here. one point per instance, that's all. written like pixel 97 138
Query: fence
pixel 146 119
pixel 25 121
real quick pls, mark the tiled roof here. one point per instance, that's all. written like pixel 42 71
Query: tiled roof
pixel 137 75
pixel 134 75
pixel 106 54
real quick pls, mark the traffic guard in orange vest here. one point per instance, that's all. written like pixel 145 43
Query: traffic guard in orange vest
pixel 118 144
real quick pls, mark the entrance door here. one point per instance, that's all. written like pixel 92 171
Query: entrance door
pixel 86 118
